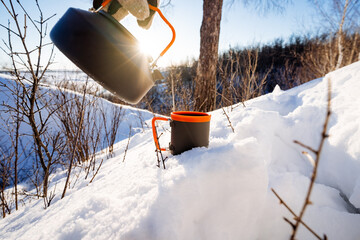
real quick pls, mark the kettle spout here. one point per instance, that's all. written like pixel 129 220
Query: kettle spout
pixel 157 75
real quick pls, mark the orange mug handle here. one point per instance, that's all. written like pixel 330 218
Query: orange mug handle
pixel 155 132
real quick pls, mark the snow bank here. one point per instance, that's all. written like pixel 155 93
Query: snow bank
pixel 222 192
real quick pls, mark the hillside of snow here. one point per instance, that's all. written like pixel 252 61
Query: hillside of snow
pixel 223 191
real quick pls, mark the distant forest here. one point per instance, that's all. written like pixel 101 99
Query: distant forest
pixel 245 73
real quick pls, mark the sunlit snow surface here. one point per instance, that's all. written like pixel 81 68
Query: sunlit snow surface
pixel 221 192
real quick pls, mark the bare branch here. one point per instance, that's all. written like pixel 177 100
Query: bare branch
pixel 80 125
pixel 6 7
pixel 307 147
pixel 127 145
pixel 227 116
pixel 30 18
pixel 9 29
pixel 282 202
pixel 324 135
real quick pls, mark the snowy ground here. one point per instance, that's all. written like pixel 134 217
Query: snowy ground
pixel 221 192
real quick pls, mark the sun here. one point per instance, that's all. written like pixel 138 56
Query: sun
pixel 152 42
pixel 149 48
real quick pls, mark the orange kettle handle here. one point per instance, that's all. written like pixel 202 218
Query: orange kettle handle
pixel 169 24
pixel 106 2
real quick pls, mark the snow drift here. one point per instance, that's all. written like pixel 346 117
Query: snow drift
pixel 222 192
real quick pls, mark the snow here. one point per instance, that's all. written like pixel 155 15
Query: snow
pixel 223 191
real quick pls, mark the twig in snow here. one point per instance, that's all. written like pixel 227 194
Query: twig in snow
pixel 324 136
pixel 305 146
pixel 282 202
pixel 159 152
pixel 227 116
pixel 127 145
pixel 97 170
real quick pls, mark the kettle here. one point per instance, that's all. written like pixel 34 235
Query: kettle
pixel 106 51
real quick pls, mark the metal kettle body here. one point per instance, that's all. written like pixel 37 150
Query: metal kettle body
pixel 104 49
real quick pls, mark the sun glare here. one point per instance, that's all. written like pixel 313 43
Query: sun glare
pixel 152 42
pixel 149 48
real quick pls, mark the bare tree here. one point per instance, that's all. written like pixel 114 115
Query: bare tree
pixel 206 89
pixel 5 175
pixel 30 59
pixel 75 139
pixel 240 79
pixel 89 126
pixel 340 36
pixel 115 115
pixel 10 123
pixel 339 17
pixel 321 53
pixel 180 81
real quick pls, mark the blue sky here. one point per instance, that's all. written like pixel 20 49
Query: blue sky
pixel 240 26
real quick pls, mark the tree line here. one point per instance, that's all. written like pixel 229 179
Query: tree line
pixel 248 72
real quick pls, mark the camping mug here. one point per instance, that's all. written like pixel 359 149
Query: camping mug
pixel 188 130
